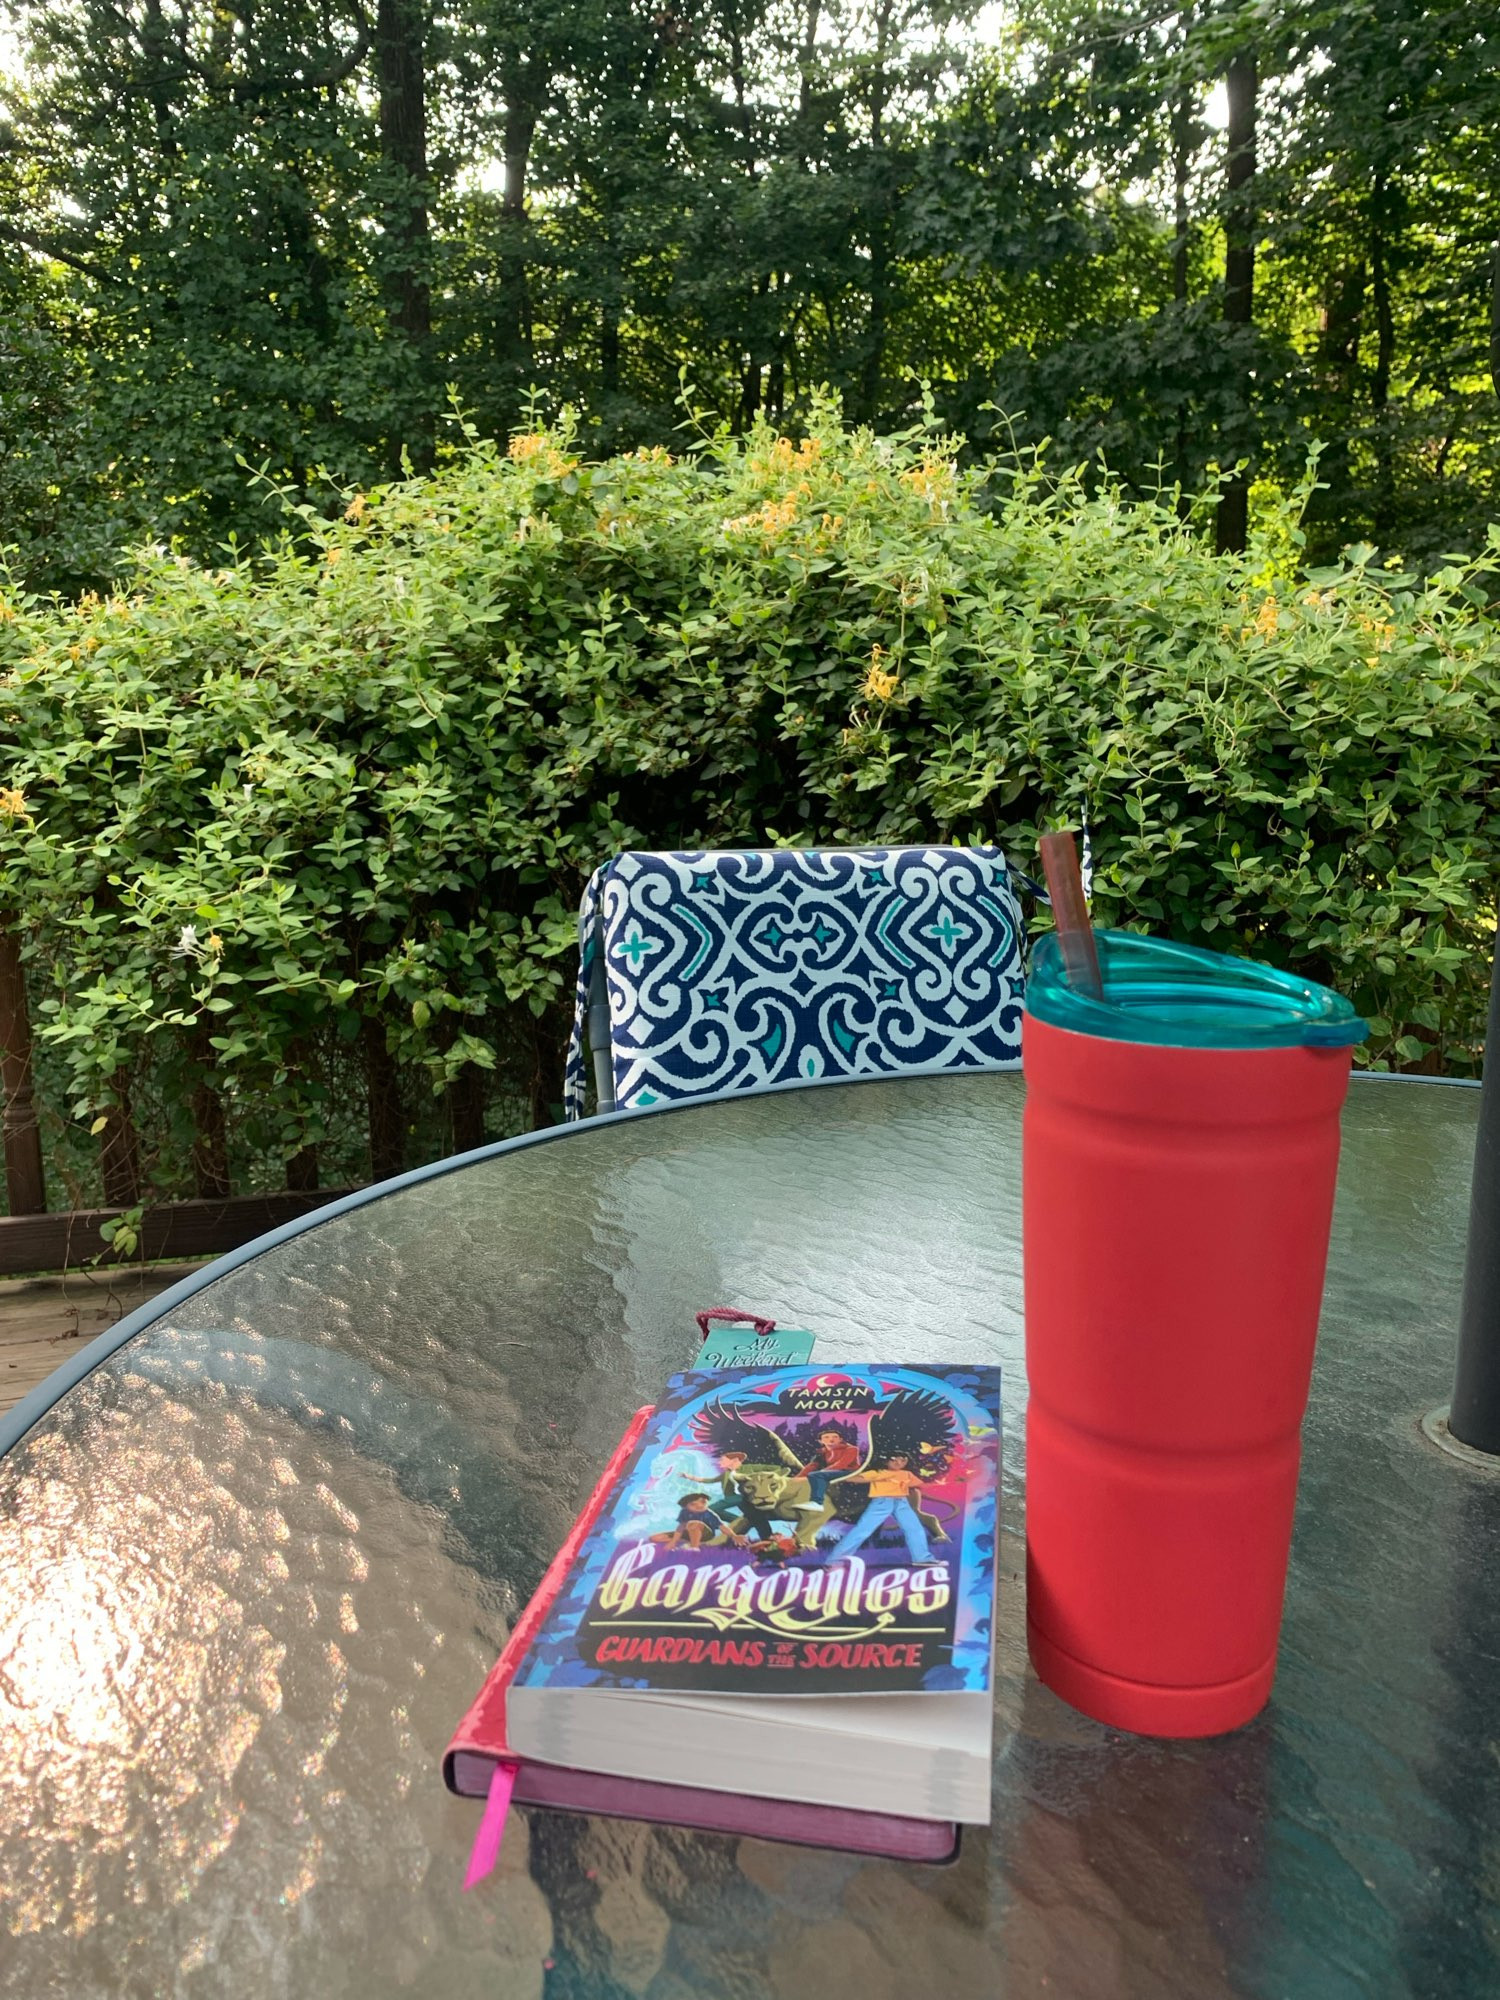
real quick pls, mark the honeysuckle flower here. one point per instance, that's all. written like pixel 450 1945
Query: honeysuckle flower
pixel 880 684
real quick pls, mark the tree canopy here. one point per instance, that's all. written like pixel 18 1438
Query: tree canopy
pixel 289 237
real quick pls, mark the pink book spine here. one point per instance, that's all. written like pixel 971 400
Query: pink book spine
pixel 483 1728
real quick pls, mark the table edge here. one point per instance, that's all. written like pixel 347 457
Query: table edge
pixel 36 1404
pixel 29 1411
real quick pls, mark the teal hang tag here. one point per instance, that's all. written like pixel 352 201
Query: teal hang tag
pixel 739 1347
pixel 741 1340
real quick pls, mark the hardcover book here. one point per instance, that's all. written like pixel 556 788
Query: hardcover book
pixel 774 1615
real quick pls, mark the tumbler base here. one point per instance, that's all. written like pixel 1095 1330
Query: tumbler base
pixel 1143 1709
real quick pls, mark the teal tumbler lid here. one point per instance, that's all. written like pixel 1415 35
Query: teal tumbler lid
pixel 1180 997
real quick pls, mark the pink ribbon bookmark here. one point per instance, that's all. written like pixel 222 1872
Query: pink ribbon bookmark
pixel 486 1849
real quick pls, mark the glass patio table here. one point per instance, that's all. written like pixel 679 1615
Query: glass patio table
pixel 257 1558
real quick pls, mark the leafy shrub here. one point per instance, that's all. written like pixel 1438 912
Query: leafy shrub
pixel 282 831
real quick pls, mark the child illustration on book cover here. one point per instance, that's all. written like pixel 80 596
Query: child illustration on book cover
pixel 793 1528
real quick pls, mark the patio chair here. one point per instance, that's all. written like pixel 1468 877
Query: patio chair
pixel 707 973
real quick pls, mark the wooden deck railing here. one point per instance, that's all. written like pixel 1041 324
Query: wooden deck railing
pixel 25 1187
pixel 34 1239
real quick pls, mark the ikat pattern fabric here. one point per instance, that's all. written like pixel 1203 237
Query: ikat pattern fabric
pixel 738 969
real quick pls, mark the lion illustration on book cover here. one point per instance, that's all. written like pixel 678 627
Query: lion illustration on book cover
pixel 809 1471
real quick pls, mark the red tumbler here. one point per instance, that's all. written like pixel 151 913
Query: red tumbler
pixel 1180 1150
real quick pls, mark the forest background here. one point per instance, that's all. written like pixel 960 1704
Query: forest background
pixel 443 442
pixel 293 236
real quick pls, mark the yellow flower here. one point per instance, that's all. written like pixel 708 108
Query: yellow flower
pixel 1267 618
pixel 6 613
pixel 539 454
pixel 355 511
pixel 770 518
pixel 933 482
pixel 333 556
pixel 879 685
pixel 215 943
pixel 13 803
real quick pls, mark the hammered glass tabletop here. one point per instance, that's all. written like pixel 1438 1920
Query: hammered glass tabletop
pixel 255 1565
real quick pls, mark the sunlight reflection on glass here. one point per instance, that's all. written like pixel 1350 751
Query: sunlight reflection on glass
pixel 122 1749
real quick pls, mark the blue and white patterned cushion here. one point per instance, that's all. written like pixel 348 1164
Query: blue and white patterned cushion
pixel 734 970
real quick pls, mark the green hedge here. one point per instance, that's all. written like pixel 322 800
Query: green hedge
pixel 287 826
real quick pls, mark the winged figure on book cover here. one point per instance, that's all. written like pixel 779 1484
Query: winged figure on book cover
pixel 809 1473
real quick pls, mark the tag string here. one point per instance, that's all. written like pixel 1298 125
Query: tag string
pixel 727 1314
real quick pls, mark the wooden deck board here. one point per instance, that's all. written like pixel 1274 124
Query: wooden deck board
pixel 45 1320
pixel 172 1231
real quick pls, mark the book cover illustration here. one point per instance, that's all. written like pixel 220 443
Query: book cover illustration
pixel 794 1530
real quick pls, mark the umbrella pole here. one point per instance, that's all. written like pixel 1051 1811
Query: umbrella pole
pixel 1474 1418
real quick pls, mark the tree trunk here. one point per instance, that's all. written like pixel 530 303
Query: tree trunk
pixel 25 1184
pixel 466 1102
pixel 776 371
pixel 120 1150
pixel 1182 154
pixel 548 1040
pixel 210 1133
pixel 741 100
pixel 302 1167
pixel 399 36
pixel 383 1096
pixel 609 349
pixel 1239 287
pixel 750 377
pixel 210 1145
pixel 882 203
pixel 749 393
pixel 805 67
pixel 1385 355
pixel 1495 320
pixel 513 323
pixel 1338 370
pixel 160 63
pixel 872 375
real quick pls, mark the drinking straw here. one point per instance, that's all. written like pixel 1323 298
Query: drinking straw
pixel 1070 913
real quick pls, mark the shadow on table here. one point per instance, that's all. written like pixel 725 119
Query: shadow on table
pixel 1450 1945
pixel 1115 1868
pixel 1129 1866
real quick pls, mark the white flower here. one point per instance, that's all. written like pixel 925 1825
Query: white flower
pixel 187 942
